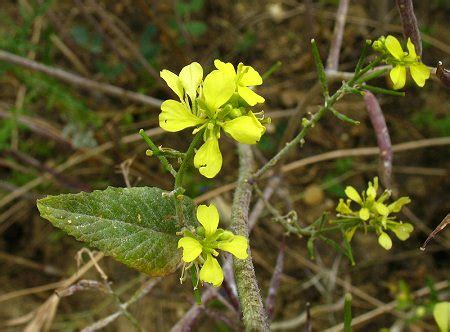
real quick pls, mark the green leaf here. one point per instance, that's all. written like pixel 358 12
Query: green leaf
pixel 136 226
pixel 441 313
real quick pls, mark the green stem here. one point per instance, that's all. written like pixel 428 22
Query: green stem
pixel 363 56
pixel 376 89
pixel 359 74
pixel 158 153
pixel 372 75
pixel 271 70
pixel 346 87
pixel 187 159
pixel 348 313
pixel 254 314
pixel 297 139
pixel 178 190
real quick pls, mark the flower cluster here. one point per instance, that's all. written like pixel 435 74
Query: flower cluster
pixel 400 60
pixel 374 212
pixel 200 248
pixel 221 101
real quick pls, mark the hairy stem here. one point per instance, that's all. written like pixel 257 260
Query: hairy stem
pixel 254 314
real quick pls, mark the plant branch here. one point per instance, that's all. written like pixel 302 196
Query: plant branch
pixel 345 88
pixel 254 314
pixel 298 139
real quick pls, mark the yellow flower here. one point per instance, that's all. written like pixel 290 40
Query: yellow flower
pixel 211 104
pixel 402 60
pixel 244 77
pixel 200 248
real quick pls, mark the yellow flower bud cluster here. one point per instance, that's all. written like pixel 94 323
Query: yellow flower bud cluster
pixel 373 212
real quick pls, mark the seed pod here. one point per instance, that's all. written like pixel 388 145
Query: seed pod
pixel 443 74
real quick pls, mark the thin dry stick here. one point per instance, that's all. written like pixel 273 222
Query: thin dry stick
pixel 412 145
pixel 306 100
pixel 336 43
pixel 130 46
pixel 140 293
pixel 388 307
pixel 79 81
pixel 190 317
pixel 71 56
pixel 260 205
pixel 254 314
pixel 383 139
pixel 296 322
pixel 336 154
pixel 48 269
pixel 20 97
pixel 275 280
pixel 75 160
pixel 409 23
pixel 60 284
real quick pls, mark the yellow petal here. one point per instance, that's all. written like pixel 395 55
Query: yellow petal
pixel 398 204
pixel 173 81
pixel 385 241
pixel 245 129
pixel 226 68
pixel 208 216
pixel 237 246
pixel 398 77
pixel 191 76
pixel 371 192
pixel 208 158
pixel 394 47
pixel 420 73
pixel 441 314
pixel 250 96
pixel 251 77
pixel 411 49
pixel 211 272
pixel 364 214
pixel 217 89
pixel 343 208
pixel 382 209
pixel 353 194
pixel 191 248
pixel 402 230
pixel 175 116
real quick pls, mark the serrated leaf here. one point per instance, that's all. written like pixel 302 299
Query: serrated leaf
pixel 136 226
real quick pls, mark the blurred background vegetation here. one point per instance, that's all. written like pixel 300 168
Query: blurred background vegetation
pixel 57 137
